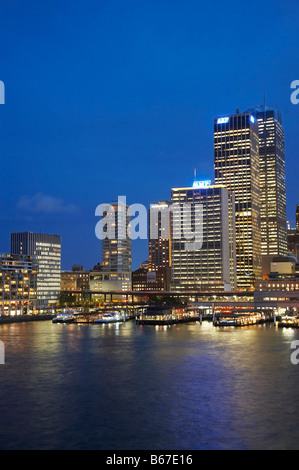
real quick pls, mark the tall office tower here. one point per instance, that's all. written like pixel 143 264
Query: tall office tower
pixel 293 237
pixel 202 238
pixel 159 241
pixel 117 251
pixel 47 251
pixel 272 184
pixel 236 150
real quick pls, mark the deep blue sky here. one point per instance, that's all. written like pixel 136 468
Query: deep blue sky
pixel 109 98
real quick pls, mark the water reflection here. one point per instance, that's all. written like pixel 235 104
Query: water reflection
pixel 123 386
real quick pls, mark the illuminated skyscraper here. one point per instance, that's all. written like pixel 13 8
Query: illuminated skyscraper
pixel 46 249
pixel 272 184
pixel 206 260
pixel 158 247
pixel 117 252
pixel 236 151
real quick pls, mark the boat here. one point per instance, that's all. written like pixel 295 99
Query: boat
pixel 63 318
pixel 289 321
pixel 110 317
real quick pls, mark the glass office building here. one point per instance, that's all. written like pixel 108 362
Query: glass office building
pixel 272 183
pixel 159 246
pixel 46 249
pixel 117 251
pixel 207 261
pixel 237 167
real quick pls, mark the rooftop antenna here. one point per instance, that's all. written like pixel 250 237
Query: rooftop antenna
pixel 194 174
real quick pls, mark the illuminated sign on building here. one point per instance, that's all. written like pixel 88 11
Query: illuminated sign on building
pixel 252 119
pixel 223 120
pixel 202 184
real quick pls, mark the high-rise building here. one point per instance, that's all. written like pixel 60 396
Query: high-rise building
pixel 236 152
pixel 202 236
pixel 117 251
pixel 293 237
pixel 18 278
pixel 47 251
pixel 159 245
pixel 272 184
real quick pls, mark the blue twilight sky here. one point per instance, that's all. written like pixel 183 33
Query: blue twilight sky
pixel 106 98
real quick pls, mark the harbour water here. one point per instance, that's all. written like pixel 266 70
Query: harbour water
pixel 126 386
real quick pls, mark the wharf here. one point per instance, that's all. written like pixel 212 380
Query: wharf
pixel 24 318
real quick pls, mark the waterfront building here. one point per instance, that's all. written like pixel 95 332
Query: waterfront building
pixel 237 167
pixel 272 184
pixel 76 279
pixel 208 262
pixel 279 293
pixel 159 246
pixel 158 280
pixel 18 278
pixel 117 252
pixel 46 249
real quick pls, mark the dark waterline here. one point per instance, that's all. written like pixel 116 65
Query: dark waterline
pixel 125 386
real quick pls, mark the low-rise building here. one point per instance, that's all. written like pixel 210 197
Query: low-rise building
pixel 18 281
pixel 158 280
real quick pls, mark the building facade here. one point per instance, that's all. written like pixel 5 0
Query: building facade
pixel 18 280
pixel 159 245
pixel 158 280
pixel 76 279
pixel 117 251
pixel 208 264
pixel 237 167
pixel 272 184
pixel 46 249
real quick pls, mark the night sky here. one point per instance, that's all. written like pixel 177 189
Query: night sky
pixel 111 98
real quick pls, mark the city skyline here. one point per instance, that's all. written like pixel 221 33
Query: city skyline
pixel 110 120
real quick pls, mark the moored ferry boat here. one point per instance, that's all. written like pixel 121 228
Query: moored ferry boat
pixel 288 321
pixel 110 317
pixel 64 318
pixel 244 319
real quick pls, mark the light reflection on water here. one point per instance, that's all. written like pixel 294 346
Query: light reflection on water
pixel 125 386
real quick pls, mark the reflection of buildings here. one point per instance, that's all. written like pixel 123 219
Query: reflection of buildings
pixel 18 276
pixel 47 251
pixel 236 151
pixel 210 264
